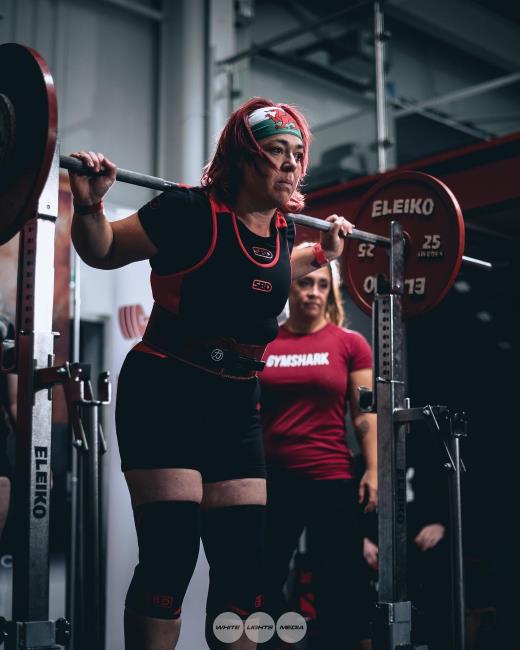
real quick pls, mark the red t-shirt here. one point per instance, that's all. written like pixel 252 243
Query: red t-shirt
pixel 305 386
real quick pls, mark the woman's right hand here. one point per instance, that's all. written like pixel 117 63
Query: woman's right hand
pixel 371 553
pixel 89 190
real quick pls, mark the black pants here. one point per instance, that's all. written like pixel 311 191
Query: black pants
pixel 429 590
pixel 331 515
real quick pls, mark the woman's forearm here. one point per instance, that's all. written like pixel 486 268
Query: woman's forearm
pixel 365 427
pixel 303 262
pixel 92 237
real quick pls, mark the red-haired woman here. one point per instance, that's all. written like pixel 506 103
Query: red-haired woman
pixel 187 420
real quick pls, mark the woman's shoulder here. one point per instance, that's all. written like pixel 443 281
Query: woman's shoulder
pixel 351 339
pixel 172 217
pixel 178 196
pixel 345 333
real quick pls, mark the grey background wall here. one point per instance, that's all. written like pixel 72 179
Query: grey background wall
pixel 147 83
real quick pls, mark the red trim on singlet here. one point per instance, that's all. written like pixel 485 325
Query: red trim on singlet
pixel 219 206
pixel 166 289
pixel 142 347
pixel 210 249
pixel 244 250
pixel 280 220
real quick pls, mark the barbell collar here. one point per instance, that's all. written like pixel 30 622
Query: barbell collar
pixel 474 261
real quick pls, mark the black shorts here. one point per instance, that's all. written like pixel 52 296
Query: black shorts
pixel 172 415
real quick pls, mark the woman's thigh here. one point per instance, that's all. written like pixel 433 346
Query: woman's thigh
pixel 286 509
pixel 5 497
pixel 235 492
pixel 335 540
pixel 334 517
pixel 172 416
pixel 150 485
pixel 157 414
pixel 335 544
pixel 233 464
pixel 285 521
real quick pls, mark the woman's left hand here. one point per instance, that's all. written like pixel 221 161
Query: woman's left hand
pixel 368 490
pixel 430 536
pixel 332 241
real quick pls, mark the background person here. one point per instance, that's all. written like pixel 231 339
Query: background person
pixel 428 558
pixel 313 370
pixel 187 424
pixel 8 397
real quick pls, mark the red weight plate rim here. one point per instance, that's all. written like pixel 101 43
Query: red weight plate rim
pixel 26 58
pixel 446 195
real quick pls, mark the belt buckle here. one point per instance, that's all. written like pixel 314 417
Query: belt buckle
pixel 217 355
pixel 253 364
pixel 231 361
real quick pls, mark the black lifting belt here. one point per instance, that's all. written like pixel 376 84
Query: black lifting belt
pixel 221 355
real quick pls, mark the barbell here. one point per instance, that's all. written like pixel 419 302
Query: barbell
pixel 428 211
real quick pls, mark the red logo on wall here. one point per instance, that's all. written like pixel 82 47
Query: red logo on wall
pixel 132 321
pixel 262 285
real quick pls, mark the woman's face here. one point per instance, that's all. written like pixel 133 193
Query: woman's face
pixel 308 295
pixel 274 184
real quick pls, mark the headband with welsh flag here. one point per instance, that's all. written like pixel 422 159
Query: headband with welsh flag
pixel 272 120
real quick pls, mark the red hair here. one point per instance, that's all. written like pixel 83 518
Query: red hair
pixel 237 145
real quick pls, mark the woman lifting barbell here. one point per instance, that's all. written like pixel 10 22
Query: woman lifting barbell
pixel 187 419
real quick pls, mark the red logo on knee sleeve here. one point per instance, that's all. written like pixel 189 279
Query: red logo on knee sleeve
pixel 162 600
pixel 238 610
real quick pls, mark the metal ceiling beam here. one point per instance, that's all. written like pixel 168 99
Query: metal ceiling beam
pixel 291 34
pixel 510 117
pixel 461 94
pixel 138 9
pixel 464 25
pixel 445 119
pixel 306 18
pixel 319 72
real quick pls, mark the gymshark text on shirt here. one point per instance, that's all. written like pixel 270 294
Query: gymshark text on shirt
pixel 293 360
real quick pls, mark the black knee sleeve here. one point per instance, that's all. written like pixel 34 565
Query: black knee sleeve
pixel 168 534
pixel 233 540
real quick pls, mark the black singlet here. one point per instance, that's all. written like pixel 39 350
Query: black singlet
pixel 217 276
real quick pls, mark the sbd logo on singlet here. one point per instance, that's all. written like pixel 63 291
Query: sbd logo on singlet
pixel 262 252
pixel 262 285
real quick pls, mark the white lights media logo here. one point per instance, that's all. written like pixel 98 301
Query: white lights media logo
pixel 228 627
pixel 259 627
pixel 291 627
